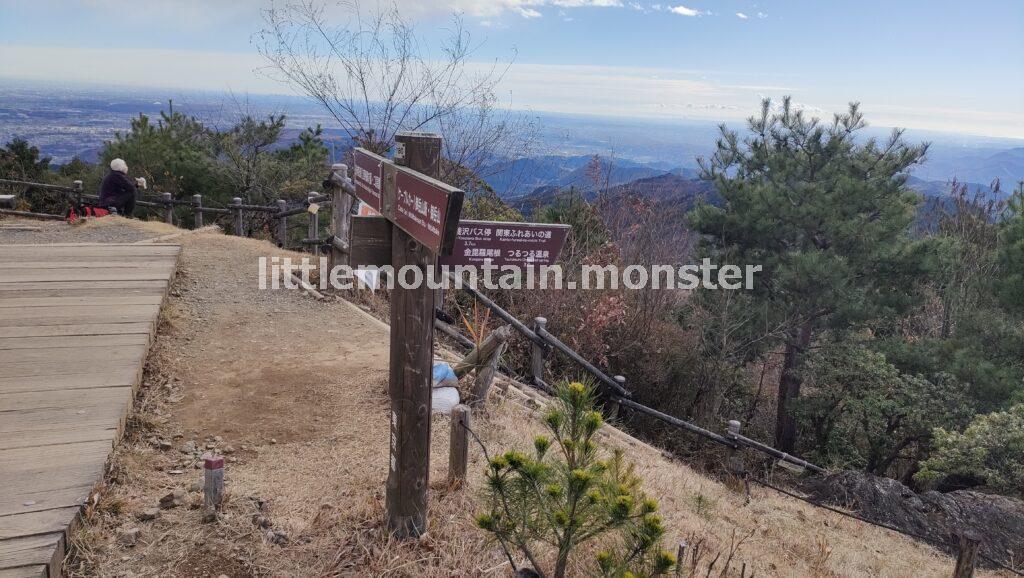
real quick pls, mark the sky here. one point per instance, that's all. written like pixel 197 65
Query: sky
pixel 951 66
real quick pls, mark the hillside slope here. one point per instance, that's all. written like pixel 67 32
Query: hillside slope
pixel 293 391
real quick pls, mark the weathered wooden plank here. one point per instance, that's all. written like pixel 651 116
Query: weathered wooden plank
pixel 61 367
pixel 36 571
pixel 72 301
pixel 73 341
pixel 67 288
pixel 73 330
pixel 89 248
pixel 84 319
pixel 75 402
pixel 29 550
pixel 32 523
pixel 134 263
pixel 77 311
pixel 134 352
pixel 47 494
pixel 34 275
pixel 86 378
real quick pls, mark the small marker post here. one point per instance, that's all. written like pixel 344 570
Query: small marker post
pixel 213 482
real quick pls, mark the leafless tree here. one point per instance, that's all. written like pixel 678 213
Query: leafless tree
pixel 375 76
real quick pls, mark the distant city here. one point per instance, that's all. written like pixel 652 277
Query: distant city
pixel 68 121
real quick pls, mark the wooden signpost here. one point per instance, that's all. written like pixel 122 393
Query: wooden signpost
pixel 420 214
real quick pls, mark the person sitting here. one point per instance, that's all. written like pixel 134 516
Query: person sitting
pixel 117 191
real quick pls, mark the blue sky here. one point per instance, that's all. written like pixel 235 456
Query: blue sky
pixel 940 65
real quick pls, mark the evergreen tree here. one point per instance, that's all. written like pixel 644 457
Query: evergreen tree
pixel 825 215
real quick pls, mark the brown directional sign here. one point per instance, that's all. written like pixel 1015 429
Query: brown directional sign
pixel 416 203
pixel 421 208
pixel 480 242
pixel 368 175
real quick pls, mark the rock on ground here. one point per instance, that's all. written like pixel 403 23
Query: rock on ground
pixel 997 520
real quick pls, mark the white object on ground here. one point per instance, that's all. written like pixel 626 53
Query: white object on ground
pixel 443 399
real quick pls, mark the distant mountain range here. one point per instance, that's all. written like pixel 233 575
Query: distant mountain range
pixel 678 188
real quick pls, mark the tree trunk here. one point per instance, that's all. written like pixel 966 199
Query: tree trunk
pixel 789 387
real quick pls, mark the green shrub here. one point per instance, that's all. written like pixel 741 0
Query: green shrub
pixel 546 504
pixel 991 448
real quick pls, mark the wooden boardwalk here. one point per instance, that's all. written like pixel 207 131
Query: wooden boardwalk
pixel 76 323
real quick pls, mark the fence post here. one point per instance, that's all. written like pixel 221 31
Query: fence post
pixel 79 189
pixel 282 224
pixel 612 404
pixel 313 230
pixel 458 457
pixel 239 226
pixel 967 556
pixel 197 210
pixel 680 554
pixel 341 218
pixel 165 198
pixel 537 351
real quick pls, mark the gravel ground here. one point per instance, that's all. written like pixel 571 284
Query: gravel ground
pixel 102 230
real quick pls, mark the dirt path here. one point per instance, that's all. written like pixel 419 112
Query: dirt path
pixel 293 392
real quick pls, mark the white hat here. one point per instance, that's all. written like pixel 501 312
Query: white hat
pixel 119 165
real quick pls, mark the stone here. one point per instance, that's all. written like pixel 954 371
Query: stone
pixel 277 537
pixel 149 514
pixel 178 497
pixel 164 444
pixel 129 537
pixel 228 449
pixel 997 520
pixel 188 447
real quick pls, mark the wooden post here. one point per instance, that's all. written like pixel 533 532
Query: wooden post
pixel 197 210
pixel 611 404
pixel 967 556
pixel 412 357
pixel 680 554
pixel 239 225
pixel 341 219
pixel 213 482
pixel 538 352
pixel 166 199
pixel 282 224
pixel 458 457
pixel 734 464
pixel 481 355
pixel 313 229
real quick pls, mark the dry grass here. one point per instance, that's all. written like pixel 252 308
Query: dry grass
pixel 297 387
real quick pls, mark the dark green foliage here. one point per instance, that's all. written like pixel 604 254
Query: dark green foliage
pixel 859 411
pixel 547 503
pixel 826 216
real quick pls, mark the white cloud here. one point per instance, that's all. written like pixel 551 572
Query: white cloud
pixel 741 16
pixel 528 12
pixel 684 11
pixel 762 15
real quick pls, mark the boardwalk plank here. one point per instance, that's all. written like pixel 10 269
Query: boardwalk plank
pixel 76 330
pixel 74 341
pixel 76 321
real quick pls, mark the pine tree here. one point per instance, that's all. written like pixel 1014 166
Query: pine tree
pixel 825 213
